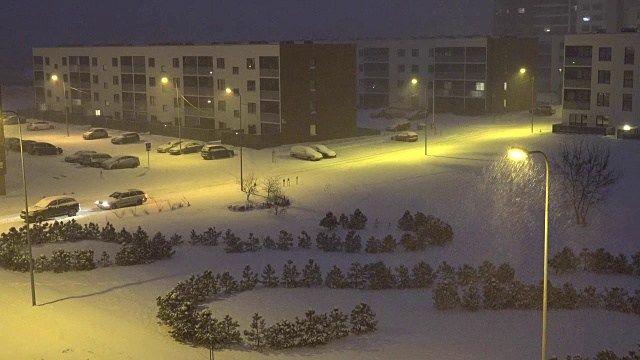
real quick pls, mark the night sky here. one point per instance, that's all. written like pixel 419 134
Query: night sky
pixel 37 23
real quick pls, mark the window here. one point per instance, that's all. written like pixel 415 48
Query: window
pixel 55 66
pixel 163 68
pixel 221 84
pixel 521 10
pixel 312 85
pixel 222 125
pixel 165 108
pixel 504 86
pixel 312 130
pixel 415 52
pixel 602 121
pixel 431 52
pixel 152 62
pixel 401 68
pixel 578 119
pixel 251 85
pixel 106 103
pixel 415 68
pixel 628 79
pixel 222 106
pixel 236 114
pixel 46 60
pixel 94 61
pixel 64 61
pixel 251 63
pixel 152 81
pixel 152 100
pixel 629 55
pixel 105 85
pixel 603 99
pixel 175 62
pixel 604 76
pixel 153 118
pixel 114 62
pixel 116 115
pixel 312 63
pixel 220 63
pixel 479 86
pixel 48 92
pixel 96 96
pixel 97 112
pixel 116 98
pixel 627 102
pixel 116 80
pixel 400 84
pixel 251 108
pixel 95 79
pixel 604 54
pixel 252 129
pixel 57 98
pixel 400 52
pixel 236 70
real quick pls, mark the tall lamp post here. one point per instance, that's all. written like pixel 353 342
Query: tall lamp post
pixel 165 81
pixel 520 154
pixel 55 78
pixel 237 92
pixel 414 82
pixel 26 209
pixel 533 92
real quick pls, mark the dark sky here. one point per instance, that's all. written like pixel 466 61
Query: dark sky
pixel 36 23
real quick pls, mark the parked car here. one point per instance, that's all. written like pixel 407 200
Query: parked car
pixel 165 147
pixel 43 148
pixel 50 207
pixel 418 114
pixel 73 158
pixel 95 133
pixel 126 138
pixel 12 120
pixel 186 148
pixel 325 151
pixel 405 136
pixel 118 199
pixel 40 125
pixel 543 110
pixel 121 162
pixel 93 159
pixel 305 152
pixel 11 142
pixel 216 151
pixel 399 125
pixel 26 145
pixel 389 113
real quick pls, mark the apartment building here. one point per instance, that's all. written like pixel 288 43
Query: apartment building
pixel 472 75
pixel 291 90
pixel 610 16
pixel 601 80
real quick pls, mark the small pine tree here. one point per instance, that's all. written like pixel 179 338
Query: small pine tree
pixel 423 275
pixel 487 270
pixel 311 274
pixel 356 277
pixel 229 335
pixel 379 276
pixel 373 245
pixel 257 332
pixel 329 221
pixel 363 319
pixel 227 283
pixel 409 242
pixel 445 296
pixel 493 295
pixel 269 278
pixel 352 242
pixel 471 299
pixel 176 240
pixel 290 275
pixel 403 277
pixel 336 327
pixel 232 243
pixel 344 221
pixel 311 329
pixel 335 243
pixel 124 237
pixel 304 240
pixel 108 233
pixel 357 221
pixel 285 241
pixel 105 259
pixel 389 244
pixel 210 237
pixel 565 261
pixel 249 279
pixel 322 241
pixel 406 223
pixel 335 279
pixel 466 275
pixel 281 335
pixel 505 273
pixel 253 243
pixel 446 272
pixel 615 299
pixel 268 243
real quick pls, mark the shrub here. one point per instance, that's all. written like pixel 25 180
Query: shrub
pixel 406 223
pixel 373 245
pixel 471 299
pixel 329 221
pixel 83 260
pixel 304 240
pixel 285 241
pixel 389 244
pixel 565 261
pixel 335 279
pixel 379 276
pixel 352 242
pixel 423 275
pixel 505 273
pixel 363 319
pixel 445 296
pixel 268 243
pixel 60 261
pixel 357 220
pixel 410 243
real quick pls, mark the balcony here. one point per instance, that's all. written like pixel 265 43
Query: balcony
pixel 450 92
pixel 476 58
pixel 475 76
pixel 478 94
pixel 375 58
pixel 375 74
pixel 374 90
pixel 126 69
pixel 37 66
pixel 270 118
pixel 450 59
pixel 274 73
pixel 38 82
pixel 127 87
pixel 577 83
pixel 570 61
pixel 269 95
pixel 205 70
pixel 139 69
pixel 127 105
pixel 576 105
pixel 190 70
pixel 449 75
pixel 140 88
pixel 190 90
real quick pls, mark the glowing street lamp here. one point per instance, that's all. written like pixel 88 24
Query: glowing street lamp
pixel 55 78
pixel 414 82
pixel 165 80
pixel 626 128
pixel 521 154
pixel 229 92
pixel 532 80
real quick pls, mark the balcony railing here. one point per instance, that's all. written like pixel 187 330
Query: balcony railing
pixel 450 75
pixel 450 92
pixel 450 59
pixel 577 83
pixel 205 70
pixel 139 69
pixel 475 94
pixel 475 76
pixel 127 87
pixel 270 118
pixel 127 105
pixel 577 61
pixel 190 70
pixel 269 95
pixel 476 58
pixel 576 105
pixel 375 74
pixel 269 72
pixel 126 69
pixel 190 90
pixel 375 90
pixel 140 88
pixel 375 58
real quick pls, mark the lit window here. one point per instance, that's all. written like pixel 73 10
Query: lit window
pixel 504 103
pixel 97 112
pixel 480 86
pixel 586 19
pixel 505 86
pixel 521 10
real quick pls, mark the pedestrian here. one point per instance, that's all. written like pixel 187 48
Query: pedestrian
pixel 296 180
pixel 288 182
pixel 100 174
pixel 283 182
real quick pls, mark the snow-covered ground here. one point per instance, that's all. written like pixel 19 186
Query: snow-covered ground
pixel 109 313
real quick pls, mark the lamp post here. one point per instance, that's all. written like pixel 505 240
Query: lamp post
pixel 414 82
pixel 532 80
pixel 229 91
pixel 55 78
pixel 26 209
pixel 519 154
pixel 165 81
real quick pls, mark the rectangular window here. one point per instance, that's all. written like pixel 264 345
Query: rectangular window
pixel 400 84
pixel 48 92
pixel 221 84
pixel 94 61
pixel 604 54
pixel 629 55
pixel 251 108
pixel 603 99
pixel 116 80
pixel 504 86
pixel 152 81
pixel 64 61
pixel 604 76
pixel 236 114
pixel 236 70
pixel 628 79
pixel 415 52
pixel 95 79
pixel 400 52
pixel 96 96
pixel 479 86
pixel 222 106
pixel 175 62
pixel 114 62
pixel 627 102
pixel 578 119
pixel 602 121
pixel 252 129
pixel 106 103
pixel 46 60
pixel 415 68
pixel 116 98
pixel 97 112
pixel 220 63
pixel 152 62
pixel 312 85
pixel 251 63
pixel 152 100
pixel 521 10
pixel 401 68
pixel 251 85
pixel 165 108
pixel 105 85
pixel 222 125
pixel 163 68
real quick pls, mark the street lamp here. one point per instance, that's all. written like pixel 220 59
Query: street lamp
pixel 237 92
pixel 414 82
pixel 165 80
pixel 55 78
pixel 26 209
pixel 520 154
pixel 532 80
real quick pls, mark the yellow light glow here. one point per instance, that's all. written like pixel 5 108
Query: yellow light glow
pixel 523 70
pixel 54 77
pixel 518 153
pixel 414 81
pixel 626 128
pixel 228 90
pixel 164 80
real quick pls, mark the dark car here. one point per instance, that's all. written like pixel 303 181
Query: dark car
pixel 121 162
pixel 216 152
pixel 26 145
pixel 187 148
pixel 93 159
pixel 543 110
pixel 73 158
pixel 43 148
pixel 126 138
pixel 95 133
pixel 10 142
pixel 51 207
pixel 13 120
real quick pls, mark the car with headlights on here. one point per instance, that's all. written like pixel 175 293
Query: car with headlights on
pixel 405 136
pixel 187 148
pixel 50 207
pixel 73 158
pixel 216 151
pixel 125 138
pixel 40 125
pixel 121 162
pixel 325 151
pixel 43 148
pixel 119 199
pixel 95 133
pixel 168 145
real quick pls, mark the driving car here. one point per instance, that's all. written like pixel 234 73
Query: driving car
pixel 40 125
pixel 325 151
pixel 543 110
pixel 216 151
pixel 125 138
pixel 73 158
pixel 50 207
pixel 43 148
pixel 405 136
pixel 93 159
pixel 95 133
pixel 165 147
pixel 186 148
pixel 305 153
pixel 130 197
pixel 121 162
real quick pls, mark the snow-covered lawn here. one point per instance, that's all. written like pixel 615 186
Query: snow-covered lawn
pixel 109 313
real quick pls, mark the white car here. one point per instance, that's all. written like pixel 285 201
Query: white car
pixel 121 162
pixel 40 125
pixel 165 147
pixel 305 153
pixel 325 151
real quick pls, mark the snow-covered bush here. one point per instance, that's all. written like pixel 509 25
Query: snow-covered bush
pixel 268 243
pixel 389 244
pixel 311 274
pixel 379 276
pixel 304 240
pixel 285 241
pixel 335 279
pixel 329 221
pixel 406 223
pixel 445 296
pixel 352 242
pixel 363 319
pixel 290 275
pixel 373 245
pixel 422 275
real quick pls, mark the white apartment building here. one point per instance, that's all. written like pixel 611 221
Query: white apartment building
pixel 610 16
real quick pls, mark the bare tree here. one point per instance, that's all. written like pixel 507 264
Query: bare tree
pixel 272 185
pixel 249 184
pixel 275 194
pixel 585 175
